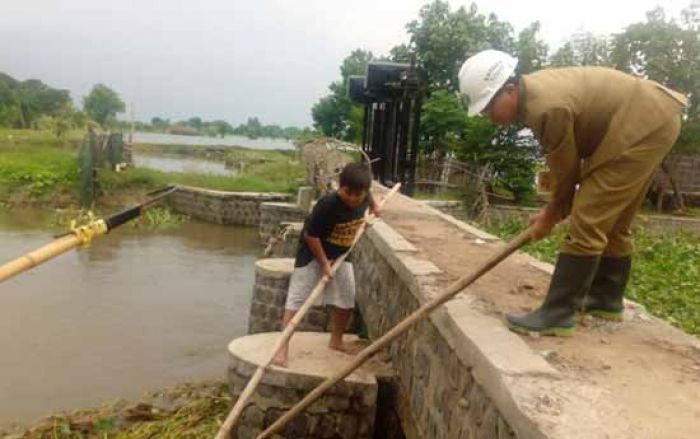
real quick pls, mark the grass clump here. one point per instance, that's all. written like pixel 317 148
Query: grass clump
pixel 188 411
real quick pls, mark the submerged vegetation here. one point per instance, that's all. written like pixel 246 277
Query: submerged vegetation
pixel 188 411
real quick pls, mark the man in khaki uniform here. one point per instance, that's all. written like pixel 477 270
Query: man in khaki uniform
pixel 604 134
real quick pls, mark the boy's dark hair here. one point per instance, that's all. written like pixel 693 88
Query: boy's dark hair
pixel 356 177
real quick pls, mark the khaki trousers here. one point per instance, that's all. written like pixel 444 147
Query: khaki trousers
pixel 609 196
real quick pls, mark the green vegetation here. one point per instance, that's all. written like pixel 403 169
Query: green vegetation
pixel 196 412
pixel 103 104
pixel 266 177
pixel 664 273
pixel 37 168
pixel 34 164
pixel 22 103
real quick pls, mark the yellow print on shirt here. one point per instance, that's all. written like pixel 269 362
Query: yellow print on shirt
pixel 343 233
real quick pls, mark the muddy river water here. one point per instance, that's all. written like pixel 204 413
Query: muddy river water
pixel 138 310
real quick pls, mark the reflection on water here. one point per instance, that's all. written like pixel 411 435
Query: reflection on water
pixel 181 163
pixel 171 139
pixel 137 310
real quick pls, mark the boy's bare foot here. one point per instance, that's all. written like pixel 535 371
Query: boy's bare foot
pixel 280 359
pixel 346 348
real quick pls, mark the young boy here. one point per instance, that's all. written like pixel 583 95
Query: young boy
pixel 328 233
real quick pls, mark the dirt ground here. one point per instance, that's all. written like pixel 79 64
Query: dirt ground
pixel 646 368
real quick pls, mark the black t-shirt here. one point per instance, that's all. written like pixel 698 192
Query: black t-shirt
pixel 334 223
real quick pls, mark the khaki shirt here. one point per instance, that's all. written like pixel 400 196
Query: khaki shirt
pixel 587 116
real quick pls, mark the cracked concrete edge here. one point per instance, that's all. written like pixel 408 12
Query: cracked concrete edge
pixel 243 362
pixel 276 268
pixel 412 271
pixel 271 196
pixel 391 237
pixel 281 204
pixel 498 358
pixel 474 231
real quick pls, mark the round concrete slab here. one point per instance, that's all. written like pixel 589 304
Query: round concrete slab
pixel 275 267
pixel 309 356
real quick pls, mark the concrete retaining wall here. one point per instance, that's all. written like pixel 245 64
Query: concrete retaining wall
pixel 346 411
pixel 273 214
pixel 686 170
pixel 441 379
pixel 231 208
pixel 269 295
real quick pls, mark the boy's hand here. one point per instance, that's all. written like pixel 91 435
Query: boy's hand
pixel 327 269
pixel 374 209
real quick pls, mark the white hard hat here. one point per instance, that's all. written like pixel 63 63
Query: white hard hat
pixel 482 75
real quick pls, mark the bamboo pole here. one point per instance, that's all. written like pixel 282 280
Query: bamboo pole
pixel 77 236
pixel 288 331
pixel 397 330
pixel 38 256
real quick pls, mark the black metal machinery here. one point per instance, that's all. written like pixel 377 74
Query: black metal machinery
pixel 391 96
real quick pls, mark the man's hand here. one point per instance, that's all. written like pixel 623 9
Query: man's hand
pixel 542 223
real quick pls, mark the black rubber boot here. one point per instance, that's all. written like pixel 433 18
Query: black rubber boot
pixel 571 280
pixel 604 299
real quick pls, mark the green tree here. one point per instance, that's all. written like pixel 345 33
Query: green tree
pixel 34 99
pixel 330 116
pixel 222 128
pixel 332 113
pixel 443 122
pixel 584 49
pixel 665 51
pixel 442 40
pixel 195 122
pixel 103 104
pixel 530 50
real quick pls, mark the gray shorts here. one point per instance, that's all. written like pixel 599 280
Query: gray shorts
pixel 339 292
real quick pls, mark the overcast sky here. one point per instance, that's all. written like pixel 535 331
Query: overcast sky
pixel 230 59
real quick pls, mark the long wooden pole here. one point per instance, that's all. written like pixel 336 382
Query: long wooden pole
pixel 287 333
pixel 77 237
pixel 396 331
pixel 38 256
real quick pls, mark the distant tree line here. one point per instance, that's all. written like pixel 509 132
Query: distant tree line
pixel 253 128
pixel 31 104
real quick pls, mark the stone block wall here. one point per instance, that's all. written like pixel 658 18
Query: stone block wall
pixel 286 244
pixel 272 214
pixel 686 171
pixel 230 208
pixel 269 295
pixel 438 395
pixel 346 411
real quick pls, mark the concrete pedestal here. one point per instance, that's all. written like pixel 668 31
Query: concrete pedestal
pixel 346 411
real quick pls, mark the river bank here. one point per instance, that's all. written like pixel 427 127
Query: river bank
pixel 39 170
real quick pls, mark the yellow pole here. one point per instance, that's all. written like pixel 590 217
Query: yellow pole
pixel 79 236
